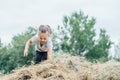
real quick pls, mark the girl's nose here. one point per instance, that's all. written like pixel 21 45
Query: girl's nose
pixel 42 40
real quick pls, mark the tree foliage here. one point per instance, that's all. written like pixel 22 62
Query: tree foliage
pixel 11 56
pixel 79 37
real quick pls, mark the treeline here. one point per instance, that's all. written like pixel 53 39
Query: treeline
pixel 76 36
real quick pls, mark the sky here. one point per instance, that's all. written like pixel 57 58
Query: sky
pixel 17 15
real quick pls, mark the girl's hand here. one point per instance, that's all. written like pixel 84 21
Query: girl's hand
pixel 49 54
pixel 28 43
pixel 25 52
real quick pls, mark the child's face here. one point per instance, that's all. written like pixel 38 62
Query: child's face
pixel 43 38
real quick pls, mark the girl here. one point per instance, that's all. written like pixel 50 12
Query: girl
pixel 43 44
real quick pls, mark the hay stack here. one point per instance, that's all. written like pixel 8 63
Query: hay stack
pixel 67 67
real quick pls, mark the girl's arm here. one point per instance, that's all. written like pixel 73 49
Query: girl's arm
pixel 28 43
pixel 49 54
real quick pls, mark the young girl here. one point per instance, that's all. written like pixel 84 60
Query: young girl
pixel 43 44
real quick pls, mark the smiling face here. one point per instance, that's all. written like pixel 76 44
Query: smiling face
pixel 43 37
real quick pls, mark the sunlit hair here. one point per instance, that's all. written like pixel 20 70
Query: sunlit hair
pixel 48 29
pixel 44 29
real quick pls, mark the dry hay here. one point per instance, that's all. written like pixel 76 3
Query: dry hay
pixel 67 67
pixel 47 70
pixel 106 71
pixel 75 63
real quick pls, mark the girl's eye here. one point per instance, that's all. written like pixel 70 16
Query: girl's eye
pixel 44 38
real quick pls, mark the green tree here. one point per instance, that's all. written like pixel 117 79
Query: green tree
pixel 78 37
pixel 55 41
pixel 101 48
pixel 3 55
pixel 12 57
pixel 0 43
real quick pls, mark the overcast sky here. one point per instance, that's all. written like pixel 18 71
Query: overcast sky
pixel 17 15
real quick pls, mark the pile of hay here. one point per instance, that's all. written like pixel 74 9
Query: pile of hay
pixel 67 67
pixel 48 70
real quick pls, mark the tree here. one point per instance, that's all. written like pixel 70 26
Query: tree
pixel 101 48
pixel 12 57
pixel 0 43
pixel 78 37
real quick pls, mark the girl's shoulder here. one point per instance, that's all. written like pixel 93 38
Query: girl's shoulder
pixel 35 38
